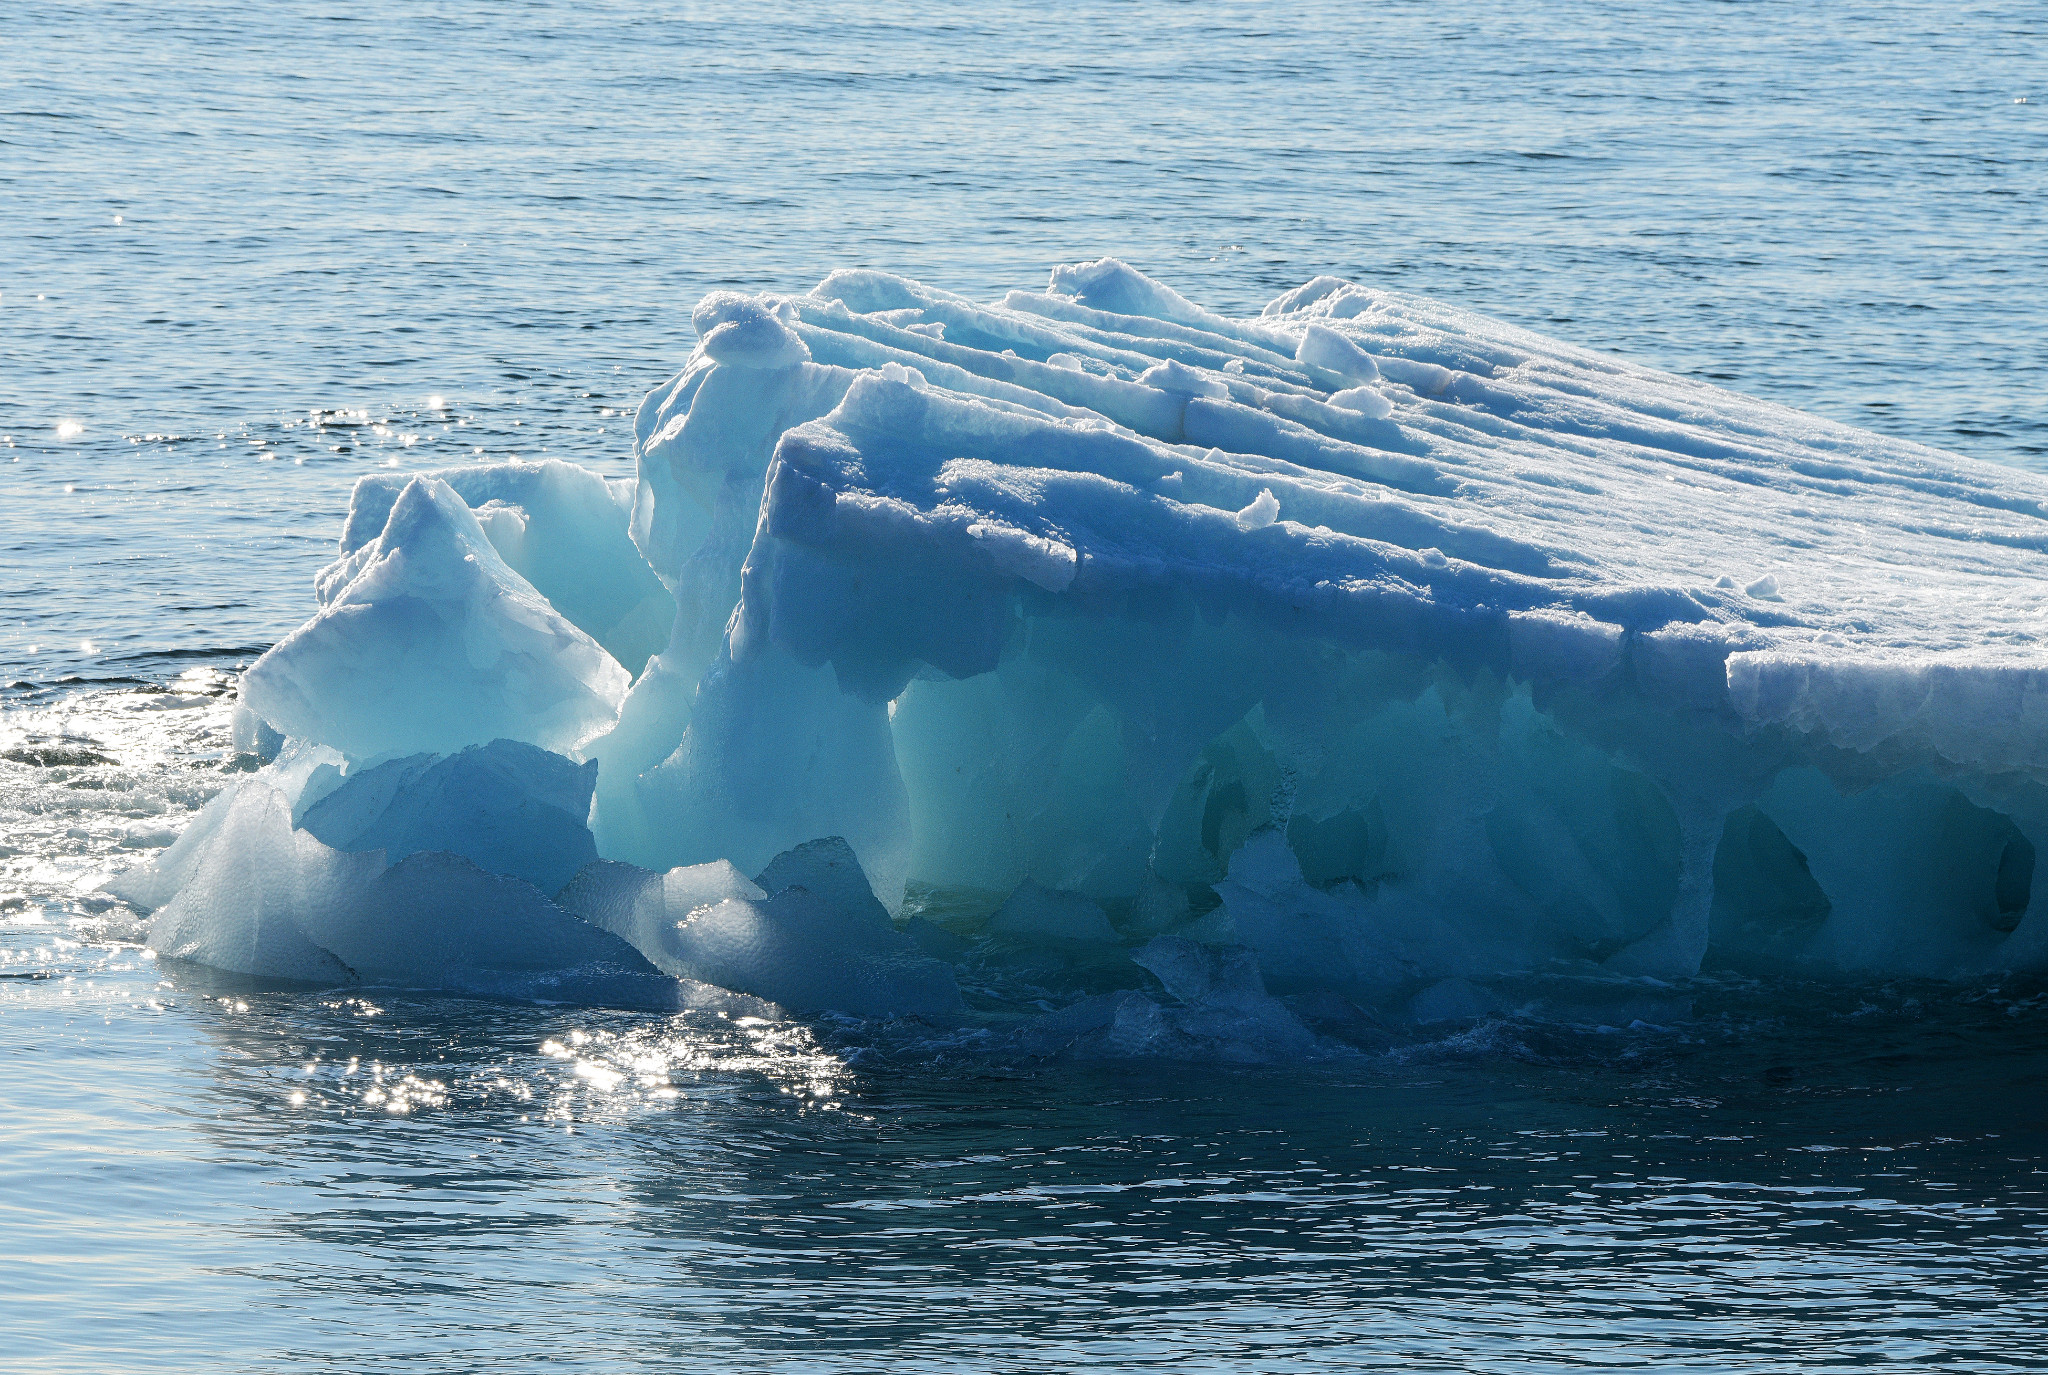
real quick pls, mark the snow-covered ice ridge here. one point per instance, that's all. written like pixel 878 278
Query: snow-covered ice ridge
pixel 1369 642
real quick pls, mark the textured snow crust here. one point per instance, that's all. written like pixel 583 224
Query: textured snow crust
pixel 1367 654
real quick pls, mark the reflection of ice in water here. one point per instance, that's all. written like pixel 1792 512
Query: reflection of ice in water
pixel 457 1062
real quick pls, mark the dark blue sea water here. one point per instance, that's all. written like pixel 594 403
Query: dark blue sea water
pixel 248 253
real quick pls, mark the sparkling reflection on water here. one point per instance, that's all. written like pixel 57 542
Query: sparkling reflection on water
pixel 276 1181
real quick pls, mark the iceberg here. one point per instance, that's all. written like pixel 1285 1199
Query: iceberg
pixel 1361 653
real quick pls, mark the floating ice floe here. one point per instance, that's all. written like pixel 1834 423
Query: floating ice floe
pixel 1383 646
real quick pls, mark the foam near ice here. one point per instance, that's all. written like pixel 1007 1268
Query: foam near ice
pixel 1388 647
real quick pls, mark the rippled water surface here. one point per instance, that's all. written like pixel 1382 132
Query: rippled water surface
pixel 248 253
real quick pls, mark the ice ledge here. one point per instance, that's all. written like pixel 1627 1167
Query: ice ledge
pixel 1973 714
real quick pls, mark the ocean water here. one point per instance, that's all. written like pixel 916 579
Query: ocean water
pixel 250 253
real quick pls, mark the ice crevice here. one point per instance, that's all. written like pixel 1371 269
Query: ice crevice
pixel 1362 648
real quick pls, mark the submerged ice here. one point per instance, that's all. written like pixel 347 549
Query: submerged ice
pixel 1175 665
